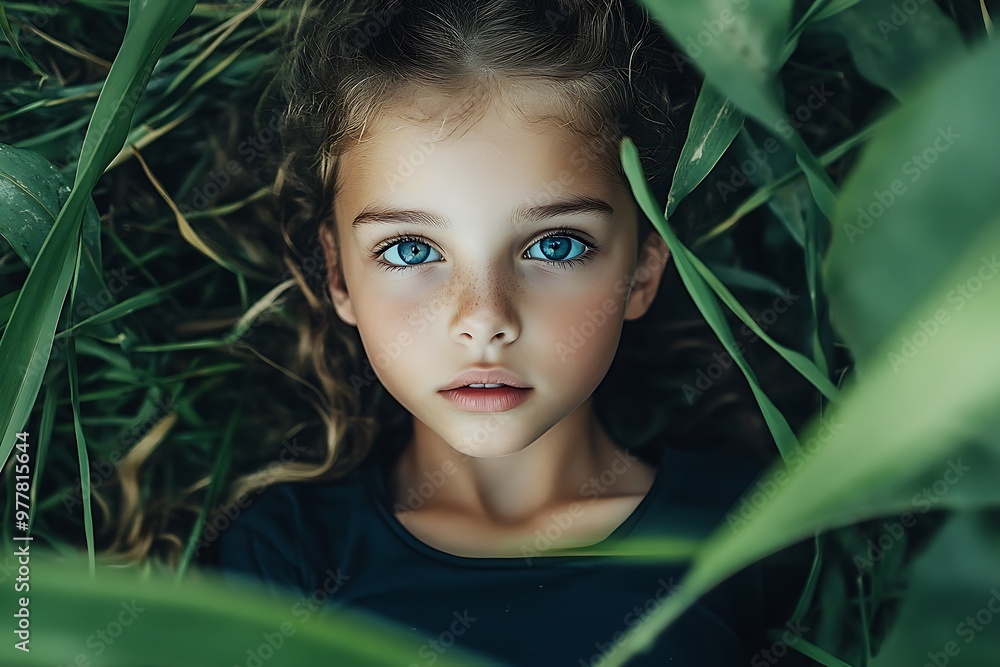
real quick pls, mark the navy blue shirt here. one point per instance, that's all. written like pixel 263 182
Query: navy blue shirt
pixel 343 538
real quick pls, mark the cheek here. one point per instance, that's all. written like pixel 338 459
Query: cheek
pixel 405 310
pixel 588 323
pixel 389 332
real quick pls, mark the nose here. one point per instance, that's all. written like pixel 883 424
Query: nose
pixel 486 314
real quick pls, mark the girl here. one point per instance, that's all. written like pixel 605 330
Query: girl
pixel 455 166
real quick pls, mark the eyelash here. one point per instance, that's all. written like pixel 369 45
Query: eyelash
pixel 591 248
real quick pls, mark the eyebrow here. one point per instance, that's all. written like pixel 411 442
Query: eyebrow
pixel 524 214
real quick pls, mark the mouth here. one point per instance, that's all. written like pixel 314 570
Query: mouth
pixel 486 378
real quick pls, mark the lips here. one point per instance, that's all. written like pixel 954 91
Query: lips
pixel 480 399
pixel 486 376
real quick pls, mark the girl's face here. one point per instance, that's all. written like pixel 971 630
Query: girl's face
pixel 471 285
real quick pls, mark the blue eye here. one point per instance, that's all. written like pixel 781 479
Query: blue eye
pixel 556 247
pixel 407 252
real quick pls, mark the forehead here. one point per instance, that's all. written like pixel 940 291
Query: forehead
pixel 429 148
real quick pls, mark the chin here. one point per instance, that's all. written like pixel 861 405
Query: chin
pixel 488 450
pixel 483 444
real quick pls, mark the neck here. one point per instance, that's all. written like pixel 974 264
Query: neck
pixel 573 461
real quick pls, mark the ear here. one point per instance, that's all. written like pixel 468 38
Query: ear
pixel 335 278
pixel 653 258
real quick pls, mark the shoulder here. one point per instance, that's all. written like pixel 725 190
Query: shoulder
pixel 277 534
pixel 695 491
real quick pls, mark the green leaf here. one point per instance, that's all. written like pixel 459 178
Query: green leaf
pixel 802 364
pixel 7 302
pixel 767 192
pixel 745 279
pixel 816 653
pixel 24 56
pixel 145 299
pixel 830 7
pixel 813 249
pixel 204 622
pixel 956 586
pixel 896 45
pixel 32 192
pixel 216 483
pixel 823 189
pixel 819 10
pixel 715 122
pixel 737 43
pixel 81 442
pixel 923 189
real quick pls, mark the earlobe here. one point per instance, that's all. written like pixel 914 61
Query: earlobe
pixel 649 270
pixel 335 279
